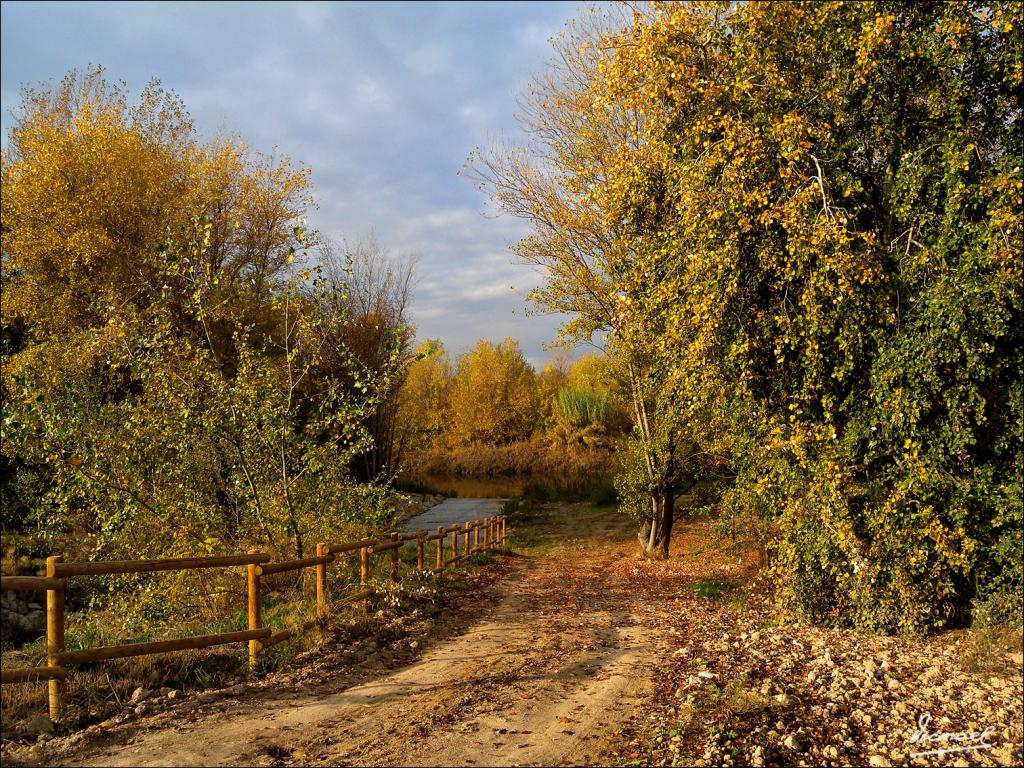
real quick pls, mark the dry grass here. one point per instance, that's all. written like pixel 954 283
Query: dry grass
pixel 96 691
pixel 531 457
pixel 991 649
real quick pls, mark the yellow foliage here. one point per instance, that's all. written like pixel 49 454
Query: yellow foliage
pixel 92 186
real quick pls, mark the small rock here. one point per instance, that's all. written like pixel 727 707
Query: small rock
pixel 791 742
pixel 707 675
pixel 138 695
pixel 172 695
pixel 831 752
pixel 782 699
pixel 141 710
pixel 757 757
pixel 878 761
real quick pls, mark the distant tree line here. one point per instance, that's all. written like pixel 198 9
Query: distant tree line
pixel 492 396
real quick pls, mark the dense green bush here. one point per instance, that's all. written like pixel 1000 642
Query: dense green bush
pixel 827 210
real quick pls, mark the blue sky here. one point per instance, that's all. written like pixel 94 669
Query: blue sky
pixel 384 101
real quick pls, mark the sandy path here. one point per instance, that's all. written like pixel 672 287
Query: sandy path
pixel 555 664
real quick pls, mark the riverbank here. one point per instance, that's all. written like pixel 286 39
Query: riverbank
pixel 536 457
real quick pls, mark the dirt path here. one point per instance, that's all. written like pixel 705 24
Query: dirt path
pixel 549 669
pixel 584 653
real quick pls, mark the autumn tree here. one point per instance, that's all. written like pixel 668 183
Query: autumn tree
pixel 424 402
pixel 92 185
pixel 493 395
pixel 801 225
pixel 152 447
pixel 172 371
pixel 565 182
pixel 827 211
pixel 371 290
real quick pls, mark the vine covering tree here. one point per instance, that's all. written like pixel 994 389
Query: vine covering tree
pixel 800 225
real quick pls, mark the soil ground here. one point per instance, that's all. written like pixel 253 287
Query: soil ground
pixel 574 650
pixel 544 661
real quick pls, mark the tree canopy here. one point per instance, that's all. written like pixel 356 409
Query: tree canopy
pixel 801 224
pixel 178 375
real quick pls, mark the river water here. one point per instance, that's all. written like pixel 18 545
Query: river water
pixel 564 487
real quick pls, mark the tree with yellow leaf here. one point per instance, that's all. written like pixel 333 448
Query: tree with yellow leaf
pixel 176 374
pixel 493 395
pixel 801 225
pixel 92 185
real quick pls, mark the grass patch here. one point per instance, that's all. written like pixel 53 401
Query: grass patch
pixel 713 589
pixel 988 649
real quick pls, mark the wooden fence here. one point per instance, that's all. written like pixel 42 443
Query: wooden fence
pixel 486 534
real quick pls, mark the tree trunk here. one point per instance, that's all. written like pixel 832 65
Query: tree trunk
pixel 653 534
pixel 668 506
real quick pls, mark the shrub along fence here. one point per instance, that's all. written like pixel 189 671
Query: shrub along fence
pixel 485 534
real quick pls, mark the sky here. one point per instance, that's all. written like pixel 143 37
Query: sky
pixel 383 101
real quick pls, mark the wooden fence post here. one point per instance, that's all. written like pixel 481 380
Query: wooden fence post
pixel 255 612
pixel 394 558
pixel 419 553
pixel 476 535
pixel 364 572
pixel 504 529
pixel 440 549
pixel 466 550
pixel 455 545
pixel 364 566
pixel 321 582
pixel 54 637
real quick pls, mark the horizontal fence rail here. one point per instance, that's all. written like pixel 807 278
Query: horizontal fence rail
pixel 150 566
pixel 105 652
pixel 485 534
pixel 34 583
pixel 32 674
